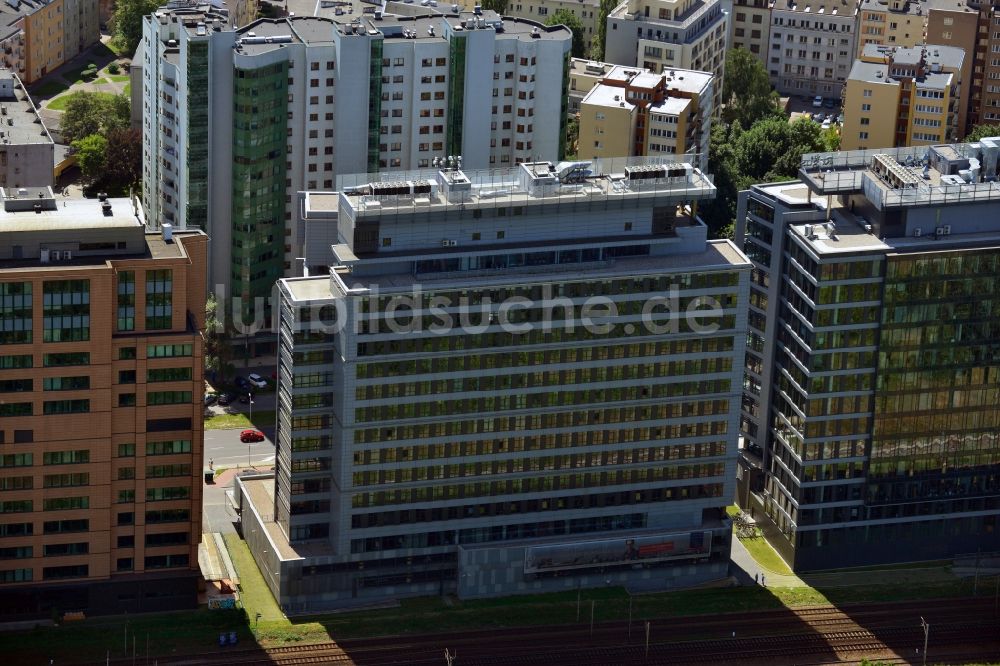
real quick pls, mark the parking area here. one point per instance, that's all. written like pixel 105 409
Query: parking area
pixel 825 111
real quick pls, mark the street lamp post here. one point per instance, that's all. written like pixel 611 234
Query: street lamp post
pixel 927 630
pixel 250 443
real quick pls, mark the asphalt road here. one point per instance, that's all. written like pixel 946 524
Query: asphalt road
pixel 225 450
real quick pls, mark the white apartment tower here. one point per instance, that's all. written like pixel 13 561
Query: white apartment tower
pixel 289 104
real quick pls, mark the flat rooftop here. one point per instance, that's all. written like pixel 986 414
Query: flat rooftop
pixel 910 176
pixel 820 7
pixel 946 56
pixel 492 188
pixel 20 123
pixel 844 234
pixel 716 255
pixel 879 73
pixel 260 492
pixel 265 35
pixel 68 214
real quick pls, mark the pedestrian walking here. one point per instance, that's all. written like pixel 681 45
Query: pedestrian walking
pixel 211 464
pixel 756 578
pixel 763 581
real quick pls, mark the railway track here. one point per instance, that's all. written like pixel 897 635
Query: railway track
pixel 768 637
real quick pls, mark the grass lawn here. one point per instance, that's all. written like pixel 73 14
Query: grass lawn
pixel 50 88
pixel 74 74
pixel 254 594
pixel 59 103
pixel 732 510
pixel 262 417
pixel 93 639
pixel 766 556
pixel 115 78
pixel 128 89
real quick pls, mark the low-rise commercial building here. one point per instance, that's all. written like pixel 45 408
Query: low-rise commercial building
pixel 101 382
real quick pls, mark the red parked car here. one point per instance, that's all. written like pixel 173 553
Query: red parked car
pixel 248 436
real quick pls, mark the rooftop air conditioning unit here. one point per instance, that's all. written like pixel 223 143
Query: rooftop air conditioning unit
pixel 943 230
pixel 449 243
pixel 918 232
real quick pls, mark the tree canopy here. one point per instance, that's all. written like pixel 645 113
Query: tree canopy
pixel 570 20
pixel 769 151
pixel 499 6
pixel 597 48
pixel 982 131
pixel 747 91
pixel 91 156
pixel 108 151
pixel 94 113
pixel 126 23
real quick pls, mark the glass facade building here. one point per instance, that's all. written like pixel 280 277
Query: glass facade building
pixel 873 366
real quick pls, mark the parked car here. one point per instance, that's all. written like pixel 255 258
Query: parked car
pixel 242 383
pixel 225 399
pixel 244 398
pixel 210 399
pixel 257 380
pixel 818 101
pixel 826 124
pixel 840 119
pixel 250 436
pixel 829 103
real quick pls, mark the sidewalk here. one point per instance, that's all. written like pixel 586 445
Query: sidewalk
pixel 745 567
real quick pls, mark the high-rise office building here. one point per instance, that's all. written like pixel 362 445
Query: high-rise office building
pixel 873 359
pixel 237 122
pixel 661 35
pixel 101 386
pixel 503 444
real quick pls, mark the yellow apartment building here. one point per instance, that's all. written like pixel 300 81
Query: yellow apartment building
pixel 633 112
pixel 902 97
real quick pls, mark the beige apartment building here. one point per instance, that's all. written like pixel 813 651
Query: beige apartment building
pixel 101 403
pixel 892 23
pixel 638 113
pixel 663 35
pixel 583 76
pixel 902 97
pixel 37 36
pixel 750 26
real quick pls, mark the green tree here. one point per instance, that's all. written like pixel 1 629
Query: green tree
pixel 499 6
pixel 597 48
pixel 746 90
pixel 218 341
pixel 570 20
pixel 572 137
pixel 831 139
pixel 126 23
pixel 981 132
pixel 94 113
pixel 91 156
pixel 124 166
pixel 770 151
